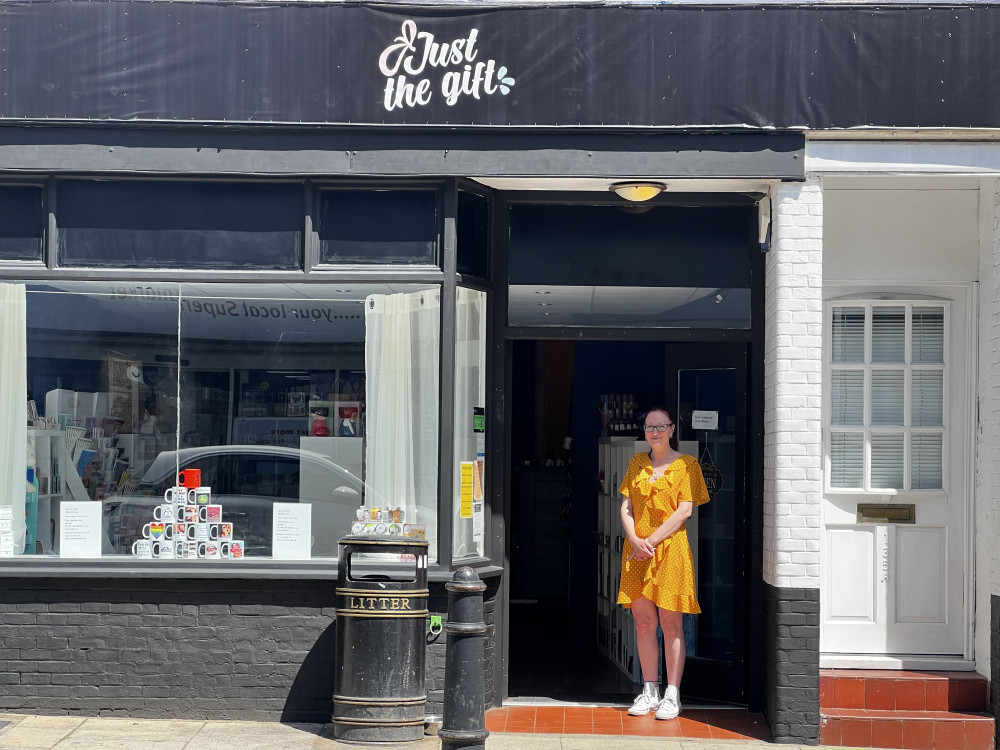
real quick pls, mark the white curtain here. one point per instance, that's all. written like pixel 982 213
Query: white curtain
pixel 470 392
pixel 402 344
pixel 13 406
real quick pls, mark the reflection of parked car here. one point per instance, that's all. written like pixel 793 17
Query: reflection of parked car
pixel 246 480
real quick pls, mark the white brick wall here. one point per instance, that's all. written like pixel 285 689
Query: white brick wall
pixel 793 367
pixel 988 449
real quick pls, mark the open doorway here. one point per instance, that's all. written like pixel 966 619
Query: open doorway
pixel 568 639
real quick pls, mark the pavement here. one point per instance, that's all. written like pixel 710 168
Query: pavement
pixel 29 732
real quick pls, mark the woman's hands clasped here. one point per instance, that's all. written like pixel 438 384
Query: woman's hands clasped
pixel 642 549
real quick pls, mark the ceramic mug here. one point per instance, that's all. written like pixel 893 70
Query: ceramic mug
pixel 190 514
pixel 189 478
pixel 197 532
pixel 210 513
pixel 225 531
pixel 176 494
pixel 235 550
pixel 190 550
pixel 164 513
pixel 142 548
pixel 155 530
pixel 200 496
pixel 166 551
pixel 209 550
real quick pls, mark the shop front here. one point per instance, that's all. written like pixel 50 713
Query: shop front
pixel 340 282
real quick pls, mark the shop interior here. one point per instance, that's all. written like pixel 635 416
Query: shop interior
pixel 577 409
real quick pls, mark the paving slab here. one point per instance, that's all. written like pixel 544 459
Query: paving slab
pixel 37 731
pixel 127 734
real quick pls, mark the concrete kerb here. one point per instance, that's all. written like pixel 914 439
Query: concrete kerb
pixel 33 732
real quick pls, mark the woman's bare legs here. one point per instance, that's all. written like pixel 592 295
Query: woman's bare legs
pixel 672 624
pixel 644 613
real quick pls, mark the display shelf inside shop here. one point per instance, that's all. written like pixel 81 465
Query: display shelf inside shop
pixel 57 480
pixel 615 626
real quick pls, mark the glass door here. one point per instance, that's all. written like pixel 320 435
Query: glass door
pixel 712 419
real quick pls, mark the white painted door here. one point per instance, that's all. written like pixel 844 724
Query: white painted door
pixel 898 400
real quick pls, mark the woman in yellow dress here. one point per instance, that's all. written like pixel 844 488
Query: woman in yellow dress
pixel 659 491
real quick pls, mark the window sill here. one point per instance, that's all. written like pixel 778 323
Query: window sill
pixel 130 567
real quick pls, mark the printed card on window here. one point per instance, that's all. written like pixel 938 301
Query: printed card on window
pixel 291 531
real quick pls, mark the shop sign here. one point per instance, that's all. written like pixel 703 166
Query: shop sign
pixel 418 67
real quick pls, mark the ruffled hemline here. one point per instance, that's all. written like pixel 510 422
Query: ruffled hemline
pixel 663 600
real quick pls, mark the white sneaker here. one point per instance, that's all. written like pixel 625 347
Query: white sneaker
pixel 670 706
pixel 643 704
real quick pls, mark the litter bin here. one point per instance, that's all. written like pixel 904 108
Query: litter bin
pixel 381 621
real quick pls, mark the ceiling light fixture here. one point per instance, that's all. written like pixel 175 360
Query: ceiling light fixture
pixel 637 192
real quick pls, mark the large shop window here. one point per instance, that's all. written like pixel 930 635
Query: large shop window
pixel 887 396
pixel 310 413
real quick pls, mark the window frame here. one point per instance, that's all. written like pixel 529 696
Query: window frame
pixel 868 302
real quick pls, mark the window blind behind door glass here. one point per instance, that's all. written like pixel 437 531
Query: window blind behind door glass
pixel 847 458
pixel 889 334
pixel 849 335
pixel 847 398
pixel 928 335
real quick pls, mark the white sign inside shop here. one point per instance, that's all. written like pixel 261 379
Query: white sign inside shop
pixel 704 420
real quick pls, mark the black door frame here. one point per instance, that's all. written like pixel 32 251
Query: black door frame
pixel 502 337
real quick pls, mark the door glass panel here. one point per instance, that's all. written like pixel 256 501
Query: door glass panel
pixel 925 462
pixel 847 459
pixel 887 460
pixel 847 400
pixel 928 334
pixel 887 397
pixel 848 335
pixel 927 398
pixel 889 334
pixel 711 529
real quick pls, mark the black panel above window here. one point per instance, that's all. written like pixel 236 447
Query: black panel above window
pixel 378 226
pixel 22 222
pixel 135 224
pixel 473 234
pixel 664 246
pixel 664 267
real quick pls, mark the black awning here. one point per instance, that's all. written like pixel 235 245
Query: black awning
pixel 765 66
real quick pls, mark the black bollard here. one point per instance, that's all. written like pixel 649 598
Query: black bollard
pixel 464 724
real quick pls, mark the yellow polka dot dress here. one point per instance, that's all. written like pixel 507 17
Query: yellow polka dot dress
pixel 667 578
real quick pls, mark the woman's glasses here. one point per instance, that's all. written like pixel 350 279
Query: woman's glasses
pixel 657 427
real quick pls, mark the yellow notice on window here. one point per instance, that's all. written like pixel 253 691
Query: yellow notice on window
pixel 466 487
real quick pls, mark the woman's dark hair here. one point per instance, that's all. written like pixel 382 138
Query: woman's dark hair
pixel 670 416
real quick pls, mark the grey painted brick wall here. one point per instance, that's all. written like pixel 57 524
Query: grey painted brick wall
pixel 191 648
pixel 791 704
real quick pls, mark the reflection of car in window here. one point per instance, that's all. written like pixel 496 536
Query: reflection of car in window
pixel 246 480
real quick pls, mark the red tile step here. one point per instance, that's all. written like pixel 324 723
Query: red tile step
pixel 614 721
pixel 887 690
pixel 909 710
pixel 911 730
